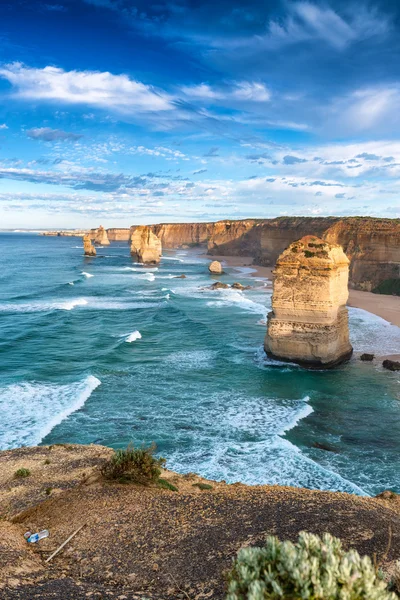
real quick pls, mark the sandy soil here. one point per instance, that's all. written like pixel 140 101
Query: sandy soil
pixel 146 542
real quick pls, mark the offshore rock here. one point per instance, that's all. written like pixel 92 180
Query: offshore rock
pixel 309 320
pixel 88 247
pixel 101 238
pixel 215 267
pixel 391 365
pixel 145 245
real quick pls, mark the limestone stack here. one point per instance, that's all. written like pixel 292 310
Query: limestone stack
pixel 145 245
pixel 215 267
pixel 309 320
pixel 88 248
pixel 101 238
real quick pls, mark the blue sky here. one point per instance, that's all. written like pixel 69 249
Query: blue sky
pixel 121 111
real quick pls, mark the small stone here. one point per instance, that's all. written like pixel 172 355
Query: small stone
pixel 367 357
pixel 391 365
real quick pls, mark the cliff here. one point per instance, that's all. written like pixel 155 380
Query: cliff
pixel 145 245
pixel 309 320
pixel 119 234
pixel 173 235
pixel 372 245
pixel 151 542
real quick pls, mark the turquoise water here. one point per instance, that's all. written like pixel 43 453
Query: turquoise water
pixel 104 350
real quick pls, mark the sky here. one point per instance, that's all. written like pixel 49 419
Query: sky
pixel 121 112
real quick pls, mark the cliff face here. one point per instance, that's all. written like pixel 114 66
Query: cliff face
pixel 145 245
pixel 309 321
pixel 173 235
pixel 119 235
pixel 372 245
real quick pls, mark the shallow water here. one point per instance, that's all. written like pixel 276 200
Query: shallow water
pixel 104 350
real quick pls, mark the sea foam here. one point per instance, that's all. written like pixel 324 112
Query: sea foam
pixel 88 275
pixel 132 337
pixel 31 409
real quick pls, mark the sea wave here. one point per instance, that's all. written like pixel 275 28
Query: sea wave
pixel 88 275
pixel 132 337
pixel 31 409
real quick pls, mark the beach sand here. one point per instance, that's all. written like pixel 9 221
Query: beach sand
pixel 386 307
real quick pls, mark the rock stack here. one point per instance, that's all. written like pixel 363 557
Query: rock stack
pixel 89 249
pixel 145 245
pixel 101 238
pixel 309 320
pixel 215 267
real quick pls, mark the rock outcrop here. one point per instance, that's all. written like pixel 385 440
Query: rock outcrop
pixel 145 245
pixel 119 234
pixel 309 320
pixel 215 267
pixel 101 238
pixel 88 248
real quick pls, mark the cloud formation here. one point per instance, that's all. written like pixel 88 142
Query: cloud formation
pixel 47 134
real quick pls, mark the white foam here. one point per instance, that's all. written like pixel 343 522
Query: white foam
pixel 132 337
pixel 370 333
pixel 138 269
pixel 70 304
pixel 71 283
pixel 241 438
pixel 192 360
pixel 148 276
pixel 31 410
pixel 231 297
pixel 88 275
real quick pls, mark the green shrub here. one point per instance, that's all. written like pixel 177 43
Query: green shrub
pixel 167 485
pixel 308 254
pixel 134 465
pixel 311 569
pixel 203 486
pixel 22 473
pixel 389 286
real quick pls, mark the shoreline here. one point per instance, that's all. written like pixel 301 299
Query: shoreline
pixel 386 307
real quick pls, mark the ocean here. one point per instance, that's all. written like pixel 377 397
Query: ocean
pixel 103 350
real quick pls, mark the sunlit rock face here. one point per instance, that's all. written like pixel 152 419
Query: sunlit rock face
pixel 215 267
pixel 309 320
pixel 88 248
pixel 145 245
pixel 101 238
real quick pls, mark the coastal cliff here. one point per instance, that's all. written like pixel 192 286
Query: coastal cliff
pixel 144 541
pixel 372 245
pixel 309 320
pixel 173 235
pixel 119 234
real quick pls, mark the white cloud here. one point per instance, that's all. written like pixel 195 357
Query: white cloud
pixel 3 126
pixel 93 88
pixel 249 91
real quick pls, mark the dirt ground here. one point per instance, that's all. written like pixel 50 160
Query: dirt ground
pixel 146 542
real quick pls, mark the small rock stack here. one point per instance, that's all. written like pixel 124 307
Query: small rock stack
pixel 308 324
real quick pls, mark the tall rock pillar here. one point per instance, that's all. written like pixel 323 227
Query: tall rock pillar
pixel 309 319
pixel 101 238
pixel 88 248
pixel 145 245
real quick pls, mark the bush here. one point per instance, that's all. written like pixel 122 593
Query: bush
pixel 388 286
pixel 134 465
pixel 22 473
pixel 203 486
pixel 167 485
pixel 312 569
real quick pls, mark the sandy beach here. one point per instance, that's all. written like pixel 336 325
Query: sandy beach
pixel 386 307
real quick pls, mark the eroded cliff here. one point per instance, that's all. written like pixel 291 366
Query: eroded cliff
pixel 173 235
pixel 309 320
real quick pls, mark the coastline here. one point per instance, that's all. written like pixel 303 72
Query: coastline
pixel 386 307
